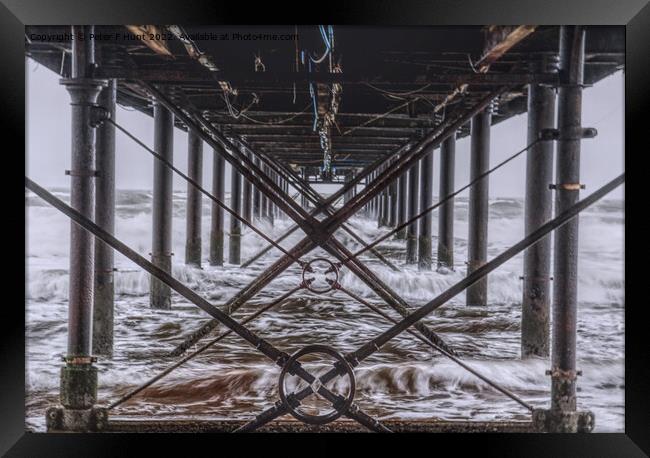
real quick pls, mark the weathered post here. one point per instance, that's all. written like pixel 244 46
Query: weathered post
pixel 426 200
pixel 478 205
pixel 194 210
pixel 303 198
pixel 446 210
pixel 535 310
pixel 348 195
pixel 79 376
pixel 234 252
pixel 401 205
pixel 104 291
pixel 392 204
pixel 217 223
pixel 385 207
pixel 247 197
pixel 563 415
pixel 270 210
pixel 256 194
pixel 412 229
pixel 161 255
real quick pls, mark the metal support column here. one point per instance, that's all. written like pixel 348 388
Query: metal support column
pixel 401 204
pixel 257 205
pixel 217 223
pixel 426 200
pixel 392 204
pixel 193 212
pixel 384 214
pixel 563 415
pixel 348 195
pixel 446 210
pixel 161 255
pixel 412 229
pixel 303 198
pixel 79 375
pixel 270 206
pixel 535 306
pixel 104 291
pixel 234 252
pixel 478 205
pixel 247 209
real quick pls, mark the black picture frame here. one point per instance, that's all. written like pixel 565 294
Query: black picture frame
pixel 15 14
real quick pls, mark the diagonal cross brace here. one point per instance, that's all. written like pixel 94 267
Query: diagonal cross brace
pixel 269 350
pixel 319 202
pixel 318 237
pixel 332 199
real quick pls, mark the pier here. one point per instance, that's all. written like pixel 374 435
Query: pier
pixel 366 122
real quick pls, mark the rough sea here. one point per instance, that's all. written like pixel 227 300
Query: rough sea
pixel 404 380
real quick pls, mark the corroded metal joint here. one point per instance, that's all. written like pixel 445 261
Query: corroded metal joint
pixel 550 421
pixel 58 418
pixel 563 375
pixel 567 186
pixel 98 115
pixel 577 133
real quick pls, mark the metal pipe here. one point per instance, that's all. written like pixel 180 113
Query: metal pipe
pixel 161 255
pixel 478 205
pixel 217 223
pixel 194 208
pixel 535 306
pixel 104 294
pixel 565 263
pixel 412 230
pixel 426 199
pixel 234 252
pixel 446 210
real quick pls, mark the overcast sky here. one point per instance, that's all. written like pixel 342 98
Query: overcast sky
pixel 48 141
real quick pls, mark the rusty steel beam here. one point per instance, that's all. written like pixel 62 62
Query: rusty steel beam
pixel 144 33
pixel 190 75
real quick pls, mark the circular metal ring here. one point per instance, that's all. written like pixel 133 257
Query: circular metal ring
pixel 340 409
pixel 308 268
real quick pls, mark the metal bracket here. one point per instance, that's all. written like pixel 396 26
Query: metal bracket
pixel 98 115
pixel 79 360
pixel 567 186
pixel 579 133
pixel 522 277
pixel 83 173
pixel 563 375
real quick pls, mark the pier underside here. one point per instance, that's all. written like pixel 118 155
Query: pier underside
pixel 367 115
